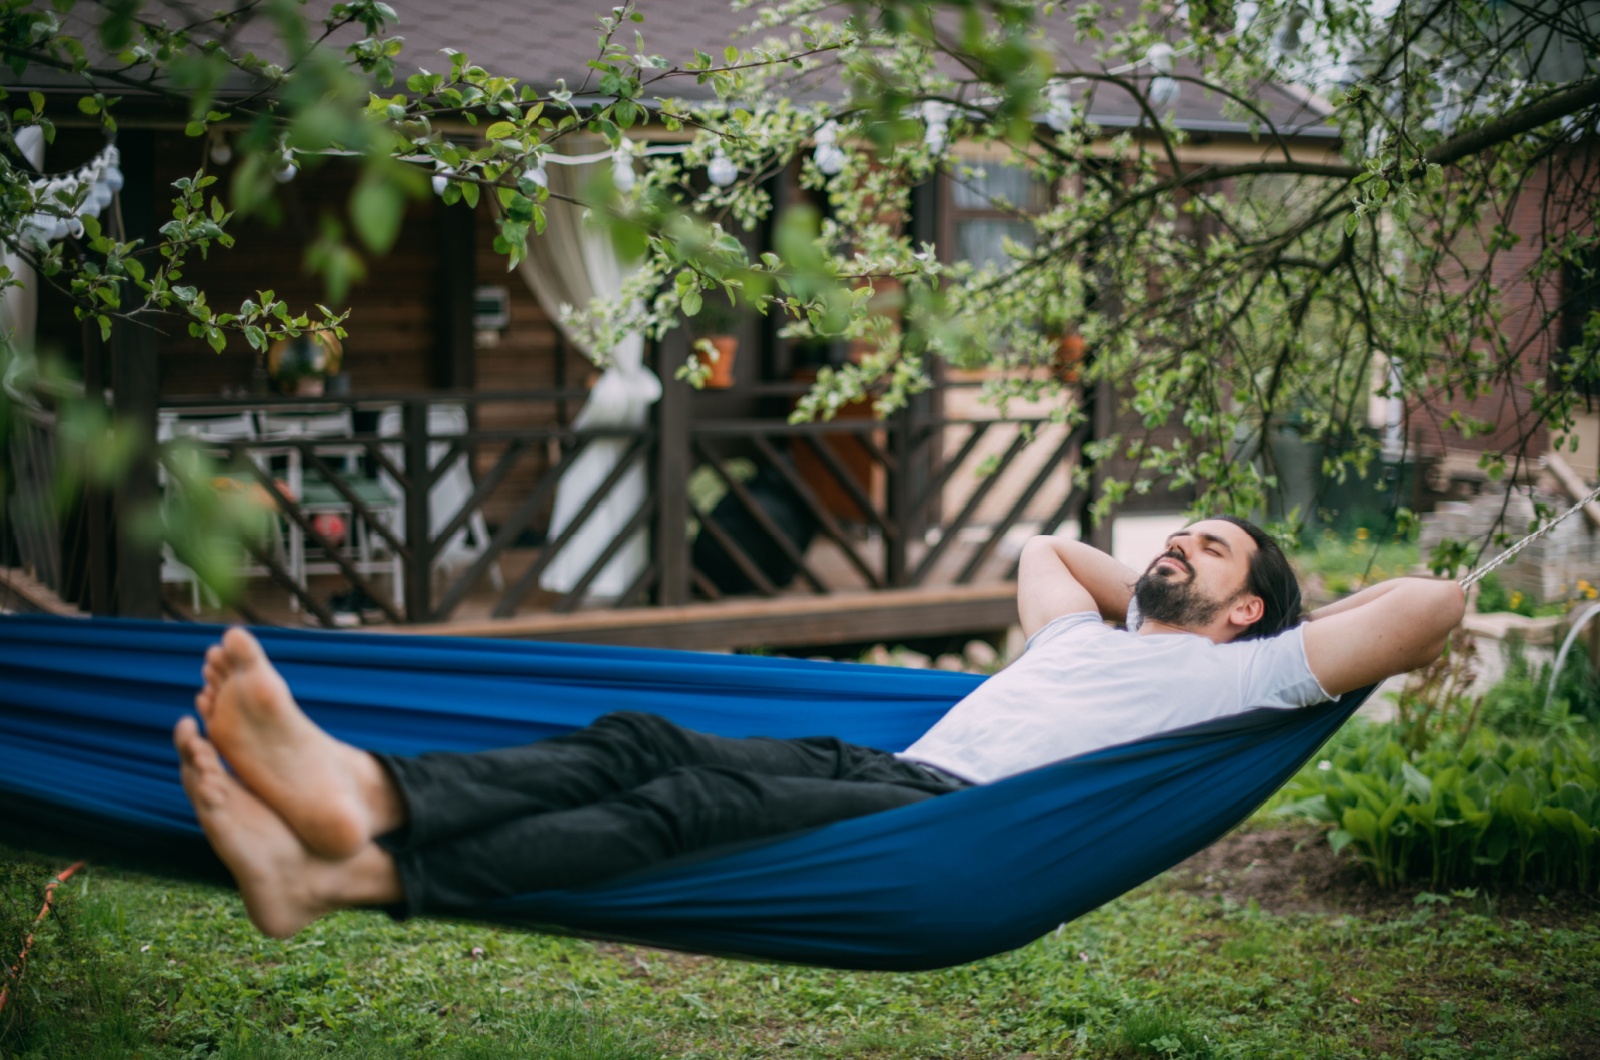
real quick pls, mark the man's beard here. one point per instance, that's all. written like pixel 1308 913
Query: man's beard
pixel 1175 603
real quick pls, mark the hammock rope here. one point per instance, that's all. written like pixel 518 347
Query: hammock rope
pixel 15 971
pixel 1509 554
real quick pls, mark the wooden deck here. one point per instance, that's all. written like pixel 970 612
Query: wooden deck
pixel 728 625
pixel 851 615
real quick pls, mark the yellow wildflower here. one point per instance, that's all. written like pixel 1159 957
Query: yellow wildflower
pixel 1362 534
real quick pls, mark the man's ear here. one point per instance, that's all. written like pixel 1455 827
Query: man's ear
pixel 1246 611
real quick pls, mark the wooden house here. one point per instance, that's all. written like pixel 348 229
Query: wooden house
pixel 742 530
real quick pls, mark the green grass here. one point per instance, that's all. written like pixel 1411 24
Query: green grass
pixel 136 966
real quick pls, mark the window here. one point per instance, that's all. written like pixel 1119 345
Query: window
pixel 988 206
pixel 1580 298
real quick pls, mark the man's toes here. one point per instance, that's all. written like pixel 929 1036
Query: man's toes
pixel 240 648
pixel 196 751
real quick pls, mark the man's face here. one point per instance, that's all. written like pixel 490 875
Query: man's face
pixel 1204 569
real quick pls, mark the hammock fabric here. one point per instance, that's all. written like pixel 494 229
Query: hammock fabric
pixel 87 706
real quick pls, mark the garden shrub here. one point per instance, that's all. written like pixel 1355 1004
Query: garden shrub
pixel 1493 809
pixel 1522 701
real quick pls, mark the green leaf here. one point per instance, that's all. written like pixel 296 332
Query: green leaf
pixel 730 54
pixel 376 210
pixel 691 302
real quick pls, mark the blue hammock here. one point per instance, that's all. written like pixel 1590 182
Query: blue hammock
pixel 86 708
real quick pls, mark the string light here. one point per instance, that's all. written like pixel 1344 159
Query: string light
pixel 622 175
pixel 1164 88
pixel 536 175
pixel 66 199
pixel 937 114
pixel 829 156
pixel 441 179
pixel 221 152
pixel 722 171
pixel 1059 111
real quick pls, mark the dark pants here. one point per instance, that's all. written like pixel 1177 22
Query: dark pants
pixel 625 793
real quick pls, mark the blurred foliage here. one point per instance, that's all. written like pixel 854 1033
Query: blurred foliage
pixel 1227 299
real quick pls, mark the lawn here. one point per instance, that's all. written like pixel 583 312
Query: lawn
pixel 1264 946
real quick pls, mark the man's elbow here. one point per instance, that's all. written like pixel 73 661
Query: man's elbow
pixel 1447 606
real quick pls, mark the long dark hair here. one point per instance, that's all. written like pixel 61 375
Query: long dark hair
pixel 1270 578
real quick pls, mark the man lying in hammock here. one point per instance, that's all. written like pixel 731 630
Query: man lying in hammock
pixel 309 825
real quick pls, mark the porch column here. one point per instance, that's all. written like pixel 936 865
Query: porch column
pixel 454 365
pixel 136 385
pixel 672 472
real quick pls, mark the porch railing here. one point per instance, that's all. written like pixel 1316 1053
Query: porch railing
pixel 758 506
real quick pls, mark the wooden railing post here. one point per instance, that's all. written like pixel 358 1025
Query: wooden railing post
pixel 672 472
pixel 419 571
pixel 1098 402
pixel 899 486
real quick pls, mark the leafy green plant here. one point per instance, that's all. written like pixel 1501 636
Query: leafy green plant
pixel 1523 701
pixel 1493 596
pixel 1347 563
pixel 1495 810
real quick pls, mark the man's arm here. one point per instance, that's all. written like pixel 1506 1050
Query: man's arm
pixel 1058 576
pixel 1387 629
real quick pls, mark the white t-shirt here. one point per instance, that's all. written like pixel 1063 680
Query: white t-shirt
pixel 1081 685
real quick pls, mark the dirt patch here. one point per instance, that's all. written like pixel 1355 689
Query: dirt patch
pixel 1296 871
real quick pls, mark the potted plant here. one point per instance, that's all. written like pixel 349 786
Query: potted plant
pixel 717 341
pixel 302 365
pixel 1067 364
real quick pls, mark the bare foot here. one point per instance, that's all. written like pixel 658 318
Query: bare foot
pixel 334 796
pixel 274 870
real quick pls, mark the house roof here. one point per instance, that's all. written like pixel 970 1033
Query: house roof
pixel 542 42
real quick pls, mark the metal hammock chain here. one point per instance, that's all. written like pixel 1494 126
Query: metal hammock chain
pixel 1510 553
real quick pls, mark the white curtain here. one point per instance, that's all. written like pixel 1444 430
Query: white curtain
pixel 19 307
pixel 571 264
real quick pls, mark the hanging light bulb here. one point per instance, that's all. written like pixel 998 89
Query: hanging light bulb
pixel 536 175
pixel 114 179
pixel 1164 92
pixel 441 179
pixel 937 114
pixel 100 194
pixel 829 156
pixel 1059 111
pixel 75 227
pixel 286 169
pixel 1286 41
pixel 1164 89
pixel 36 228
pixel 221 152
pixel 722 171
pixel 622 174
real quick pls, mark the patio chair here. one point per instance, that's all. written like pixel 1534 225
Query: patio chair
pixel 449 493
pixel 211 430
pixel 368 553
